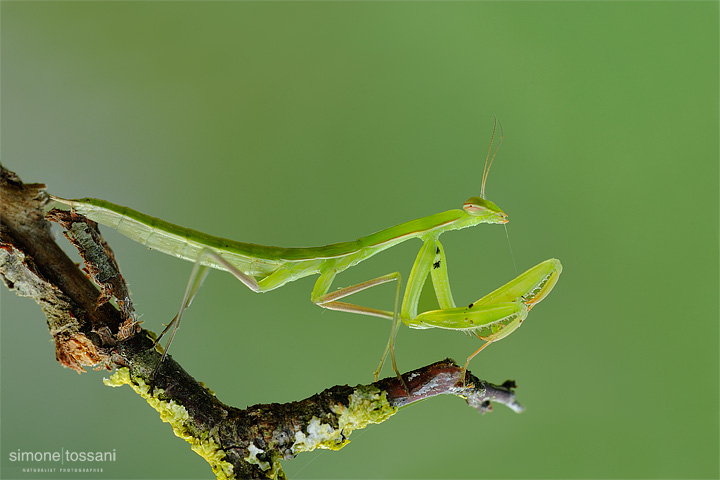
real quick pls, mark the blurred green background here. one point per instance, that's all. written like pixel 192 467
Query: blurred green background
pixel 306 123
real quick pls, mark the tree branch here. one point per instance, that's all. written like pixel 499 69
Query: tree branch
pixel 89 331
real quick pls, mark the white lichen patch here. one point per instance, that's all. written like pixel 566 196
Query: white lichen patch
pixel 319 435
pixel 177 416
pixel 368 405
pixel 252 457
pixel 272 469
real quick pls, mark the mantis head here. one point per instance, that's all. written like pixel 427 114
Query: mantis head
pixel 480 207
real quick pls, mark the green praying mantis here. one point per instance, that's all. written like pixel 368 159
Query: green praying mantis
pixel 264 268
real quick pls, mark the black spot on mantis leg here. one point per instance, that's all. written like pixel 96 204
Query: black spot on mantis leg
pixel 437 250
pixel 471 305
pixel 436 264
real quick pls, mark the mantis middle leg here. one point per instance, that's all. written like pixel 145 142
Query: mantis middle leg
pixel 322 298
pixel 430 260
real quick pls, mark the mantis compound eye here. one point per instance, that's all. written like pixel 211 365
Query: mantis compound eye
pixel 479 207
pixel 475 206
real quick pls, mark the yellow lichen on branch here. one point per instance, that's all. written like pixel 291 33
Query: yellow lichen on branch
pixel 177 416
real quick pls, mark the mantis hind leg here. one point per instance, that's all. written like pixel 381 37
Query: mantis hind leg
pixel 197 277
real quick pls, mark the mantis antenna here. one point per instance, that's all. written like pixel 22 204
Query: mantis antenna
pixel 486 170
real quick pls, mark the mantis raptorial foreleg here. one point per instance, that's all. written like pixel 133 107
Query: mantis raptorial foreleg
pixel 499 313
pixel 416 279
pixel 440 279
